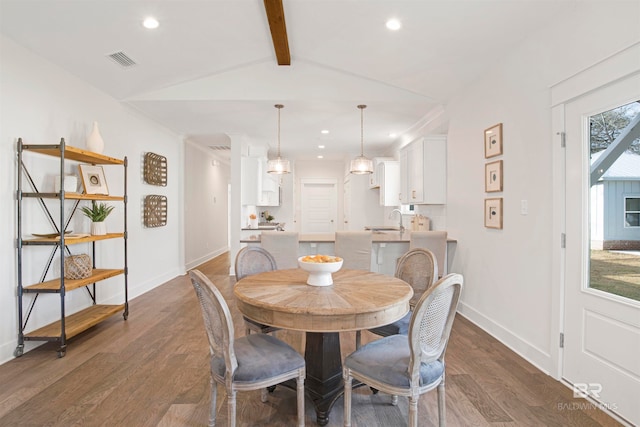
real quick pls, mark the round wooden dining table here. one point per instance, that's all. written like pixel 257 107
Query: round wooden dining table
pixel 357 300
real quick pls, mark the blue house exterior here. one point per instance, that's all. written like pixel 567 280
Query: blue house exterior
pixel 615 205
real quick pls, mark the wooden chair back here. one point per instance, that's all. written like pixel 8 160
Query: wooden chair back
pixel 253 260
pixel 417 267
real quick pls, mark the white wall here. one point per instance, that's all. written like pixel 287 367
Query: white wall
pixel 42 103
pixel 365 204
pixel 508 278
pixel 206 205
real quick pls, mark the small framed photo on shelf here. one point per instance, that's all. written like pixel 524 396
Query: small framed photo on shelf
pixel 493 177
pixel 493 213
pixel 93 179
pixel 493 141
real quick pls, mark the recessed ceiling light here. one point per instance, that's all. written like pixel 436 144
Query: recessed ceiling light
pixel 321 157
pixel 393 24
pixel 393 135
pixel 150 23
pixel 321 146
pixel 324 131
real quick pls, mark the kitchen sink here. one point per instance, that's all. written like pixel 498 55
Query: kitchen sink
pixel 382 228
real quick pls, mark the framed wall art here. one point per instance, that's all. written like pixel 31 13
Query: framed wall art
pixel 493 213
pixel 493 141
pixel 93 179
pixel 493 177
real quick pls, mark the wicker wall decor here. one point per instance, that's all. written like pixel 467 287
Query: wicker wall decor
pixel 155 211
pixel 155 169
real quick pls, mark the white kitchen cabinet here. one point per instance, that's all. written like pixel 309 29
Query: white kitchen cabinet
pixel 423 168
pixel 374 179
pixel 259 188
pixel 389 178
pixel 270 187
pixel 250 184
pixel 404 175
pixel 270 198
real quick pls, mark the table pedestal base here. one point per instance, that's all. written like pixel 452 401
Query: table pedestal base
pixel 324 383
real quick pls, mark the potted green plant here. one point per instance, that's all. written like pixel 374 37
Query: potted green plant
pixel 267 216
pixel 97 213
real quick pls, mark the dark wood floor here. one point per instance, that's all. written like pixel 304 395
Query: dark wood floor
pixel 152 370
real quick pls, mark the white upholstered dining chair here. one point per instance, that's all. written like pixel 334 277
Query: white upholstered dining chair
pixel 253 260
pixel 413 364
pixel 436 242
pixel 247 363
pixel 283 245
pixel 354 247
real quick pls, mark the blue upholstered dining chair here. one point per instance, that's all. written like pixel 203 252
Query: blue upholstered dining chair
pixel 418 267
pixel 413 364
pixel 253 260
pixel 251 362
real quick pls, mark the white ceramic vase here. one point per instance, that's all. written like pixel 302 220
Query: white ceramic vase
pixel 98 228
pixel 94 141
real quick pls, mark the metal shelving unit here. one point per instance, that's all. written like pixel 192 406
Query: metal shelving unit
pixel 68 325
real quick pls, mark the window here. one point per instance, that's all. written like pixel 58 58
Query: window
pixel 632 211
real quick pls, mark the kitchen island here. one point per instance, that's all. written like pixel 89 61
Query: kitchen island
pixel 388 246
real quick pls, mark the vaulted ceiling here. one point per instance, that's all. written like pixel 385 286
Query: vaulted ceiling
pixel 210 68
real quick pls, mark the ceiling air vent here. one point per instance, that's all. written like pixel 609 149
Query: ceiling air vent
pixel 220 147
pixel 122 59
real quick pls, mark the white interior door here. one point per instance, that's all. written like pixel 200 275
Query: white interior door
pixel 601 355
pixel 318 206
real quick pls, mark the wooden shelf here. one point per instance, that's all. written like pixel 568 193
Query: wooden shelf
pixel 70 240
pixel 77 322
pixel 74 196
pixel 73 153
pixel 52 286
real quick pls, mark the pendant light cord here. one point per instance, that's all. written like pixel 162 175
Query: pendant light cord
pixel 279 107
pixel 362 107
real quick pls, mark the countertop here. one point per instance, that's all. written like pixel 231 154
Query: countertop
pixel 272 226
pixel 381 228
pixel 378 237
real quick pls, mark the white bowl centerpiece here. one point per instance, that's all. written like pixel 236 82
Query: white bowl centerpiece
pixel 320 268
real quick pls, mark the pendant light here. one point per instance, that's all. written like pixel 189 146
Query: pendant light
pixel 361 165
pixel 279 165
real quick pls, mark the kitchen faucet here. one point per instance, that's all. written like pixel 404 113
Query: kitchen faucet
pixel 400 215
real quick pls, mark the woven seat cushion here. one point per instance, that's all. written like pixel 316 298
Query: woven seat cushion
pixel 387 360
pixel 260 356
pixel 398 327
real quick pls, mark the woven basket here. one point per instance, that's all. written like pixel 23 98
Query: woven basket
pixel 77 267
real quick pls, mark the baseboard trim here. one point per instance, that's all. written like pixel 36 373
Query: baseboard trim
pixel 135 290
pixel 207 257
pixel 537 357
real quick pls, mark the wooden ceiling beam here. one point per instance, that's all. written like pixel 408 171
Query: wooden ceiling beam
pixel 275 15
